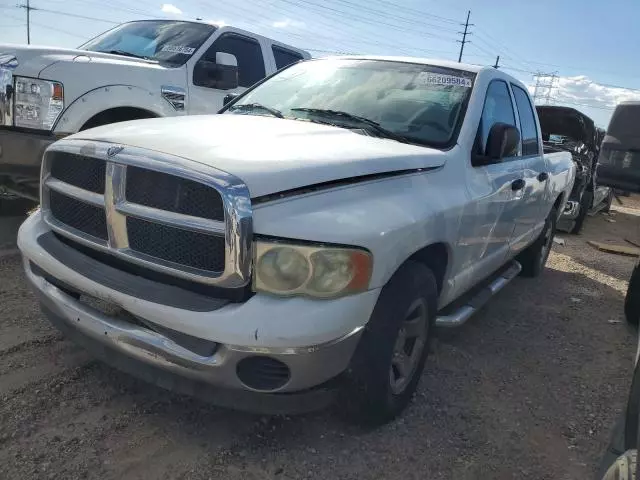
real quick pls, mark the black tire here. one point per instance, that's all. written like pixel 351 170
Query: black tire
pixel 371 394
pixel 534 258
pixel 15 207
pixel 585 206
pixel 608 201
pixel 632 299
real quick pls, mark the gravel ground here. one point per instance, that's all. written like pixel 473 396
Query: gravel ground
pixel 529 388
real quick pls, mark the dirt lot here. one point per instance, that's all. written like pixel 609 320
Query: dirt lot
pixel 529 388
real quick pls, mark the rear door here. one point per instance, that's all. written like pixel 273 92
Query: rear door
pixel 531 213
pixel 489 218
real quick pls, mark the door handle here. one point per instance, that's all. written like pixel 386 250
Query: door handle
pixel 518 184
pixel 543 176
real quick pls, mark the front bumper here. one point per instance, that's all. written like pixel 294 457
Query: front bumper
pixel 284 327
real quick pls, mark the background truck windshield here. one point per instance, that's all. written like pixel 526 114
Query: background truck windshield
pixel 423 104
pixel 165 41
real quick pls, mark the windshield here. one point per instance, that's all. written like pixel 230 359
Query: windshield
pixel 161 40
pixel 423 104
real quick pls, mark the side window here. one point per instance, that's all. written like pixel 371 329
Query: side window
pixel 248 53
pixel 529 131
pixel 284 57
pixel 497 109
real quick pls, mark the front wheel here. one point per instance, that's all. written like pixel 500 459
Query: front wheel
pixel 534 258
pixel 388 363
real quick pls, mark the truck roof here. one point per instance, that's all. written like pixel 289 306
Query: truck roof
pixel 480 70
pixel 420 60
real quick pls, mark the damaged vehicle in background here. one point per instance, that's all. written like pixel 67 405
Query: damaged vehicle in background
pixel 566 129
pixel 141 69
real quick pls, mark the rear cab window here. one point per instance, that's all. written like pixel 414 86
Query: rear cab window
pixel 284 57
pixel 528 127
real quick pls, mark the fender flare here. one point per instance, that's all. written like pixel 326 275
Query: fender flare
pixel 106 97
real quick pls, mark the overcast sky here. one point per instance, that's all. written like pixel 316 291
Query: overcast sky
pixel 592 49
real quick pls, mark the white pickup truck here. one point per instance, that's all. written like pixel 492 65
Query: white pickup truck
pixel 303 244
pixel 143 69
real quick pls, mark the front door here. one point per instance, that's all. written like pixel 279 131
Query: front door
pixel 251 69
pixel 531 216
pixel 489 218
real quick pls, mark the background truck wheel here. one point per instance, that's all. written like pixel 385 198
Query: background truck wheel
pixel 15 206
pixel 534 258
pixel 388 363
pixel 632 299
pixel 608 201
pixel 585 206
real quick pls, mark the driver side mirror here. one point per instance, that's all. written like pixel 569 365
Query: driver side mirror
pixel 229 97
pixel 221 74
pixel 503 142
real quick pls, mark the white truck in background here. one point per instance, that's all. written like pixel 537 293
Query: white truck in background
pixel 304 243
pixel 142 69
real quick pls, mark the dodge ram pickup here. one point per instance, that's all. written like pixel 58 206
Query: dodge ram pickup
pixel 300 247
pixel 142 69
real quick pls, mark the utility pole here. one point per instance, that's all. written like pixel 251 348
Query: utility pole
pixel 28 8
pixel 464 35
pixel 497 62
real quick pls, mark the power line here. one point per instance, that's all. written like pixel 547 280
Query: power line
pixel 366 21
pixel 67 14
pixel 464 36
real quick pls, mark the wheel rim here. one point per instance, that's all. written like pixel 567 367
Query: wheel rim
pixel 409 346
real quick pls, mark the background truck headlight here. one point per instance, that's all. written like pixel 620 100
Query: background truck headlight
pixel 313 271
pixel 38 103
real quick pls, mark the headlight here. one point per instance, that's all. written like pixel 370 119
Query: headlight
pixel 314 271
pixel 38 103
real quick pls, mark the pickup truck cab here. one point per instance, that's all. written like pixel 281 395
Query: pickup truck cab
pixel 142 69
pixel 303 244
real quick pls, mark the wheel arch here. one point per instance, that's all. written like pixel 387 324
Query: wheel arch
pixel 437 257
pixel 94 102
pixel 117 114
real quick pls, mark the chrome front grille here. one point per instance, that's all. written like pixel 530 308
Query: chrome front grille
pixel 155 210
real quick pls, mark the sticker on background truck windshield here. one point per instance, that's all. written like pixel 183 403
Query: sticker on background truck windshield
pixel 178 49
pixel 427 78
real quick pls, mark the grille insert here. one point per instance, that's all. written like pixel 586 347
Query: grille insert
pixel 79 215
pixel 196 250
pixel 175 194
pixel 78 170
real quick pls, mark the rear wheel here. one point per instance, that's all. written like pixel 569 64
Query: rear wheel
pixel 585 206
pixel 632 299
pixel 534 258
pixel 388 363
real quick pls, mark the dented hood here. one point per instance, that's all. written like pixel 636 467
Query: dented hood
pixel 270 155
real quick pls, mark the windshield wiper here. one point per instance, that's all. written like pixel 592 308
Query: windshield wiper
pixel 338 114
pixel 124 54
pixel 257 106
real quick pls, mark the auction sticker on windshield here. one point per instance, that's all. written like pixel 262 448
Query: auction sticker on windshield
pixel 178 49
pixel 427 78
